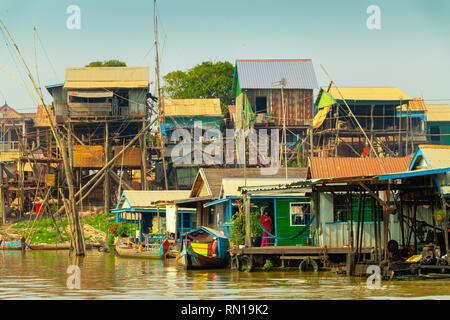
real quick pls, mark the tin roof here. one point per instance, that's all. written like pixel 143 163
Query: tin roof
pixel 368 93
pixel 192 107
pixel 146 199
pixel 230 186
pixel 212 177
pixel 338 167
pixel 436 156
pixel 438 112
pixel 263 74
pixel 106 77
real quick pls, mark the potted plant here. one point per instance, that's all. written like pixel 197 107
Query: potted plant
pixel 238 230
pixel 256 231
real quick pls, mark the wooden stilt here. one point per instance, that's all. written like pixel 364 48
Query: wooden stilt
pixel 107 184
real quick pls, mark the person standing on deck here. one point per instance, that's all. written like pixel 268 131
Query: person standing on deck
pixel 115 105
pixel 266 222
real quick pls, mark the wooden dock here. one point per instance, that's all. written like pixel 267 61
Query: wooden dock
pixel 291 250
pixel 342 257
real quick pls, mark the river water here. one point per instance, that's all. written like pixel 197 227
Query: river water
pixel 43 275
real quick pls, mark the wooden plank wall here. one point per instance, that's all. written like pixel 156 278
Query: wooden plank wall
pixel 299 104
pixel 82 158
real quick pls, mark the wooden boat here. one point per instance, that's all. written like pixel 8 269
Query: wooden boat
pixel 196 249
pixel 155 252
pixel 16 245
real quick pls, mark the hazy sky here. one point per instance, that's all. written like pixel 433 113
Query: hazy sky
pixel 410 51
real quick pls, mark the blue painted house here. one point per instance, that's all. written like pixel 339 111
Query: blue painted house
pixel 148 212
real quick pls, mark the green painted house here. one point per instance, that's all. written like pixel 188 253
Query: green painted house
pixel 438 124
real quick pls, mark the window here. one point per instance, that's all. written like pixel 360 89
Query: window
pixel 300 213
pixel 75 99
pixel 435 134
pixel 261 105
pixel 340 212
pixel 211 216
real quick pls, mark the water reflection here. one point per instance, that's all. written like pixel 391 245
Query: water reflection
pixel 43 274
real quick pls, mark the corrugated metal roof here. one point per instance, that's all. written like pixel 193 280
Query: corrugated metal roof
pixel 262 74
pixel 146 199
pixel 230 186
pixel 368 93
pixel 213 177
pixel 192 107
pixel 416 104
pixel 438 112
pixel 436 156
pixel 324 168
pixel 107 77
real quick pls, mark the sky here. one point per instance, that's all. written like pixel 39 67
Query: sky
pixel 409 50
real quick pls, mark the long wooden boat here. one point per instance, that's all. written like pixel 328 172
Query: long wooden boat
pixel 195 249
pixel 16 245
pixel 156 252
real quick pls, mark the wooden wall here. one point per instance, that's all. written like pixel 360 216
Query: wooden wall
pixel 82 158
pixel 298 104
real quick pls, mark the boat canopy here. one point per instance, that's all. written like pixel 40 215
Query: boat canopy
pixel 202 230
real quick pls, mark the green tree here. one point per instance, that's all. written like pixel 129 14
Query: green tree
pixel 108 63
pixel 206 80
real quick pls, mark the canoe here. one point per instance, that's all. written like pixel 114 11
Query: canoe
pixel 16 245
pixel 126 252
pixel 192 256
pixel 157 252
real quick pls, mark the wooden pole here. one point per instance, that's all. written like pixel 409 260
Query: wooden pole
pixel 248 241
pixel 358 227
pixel 107 183
pixel 445 223
pixel 79 243
pixel 371 126
pixel 144 184
pixel 407 129
pixel 400 153
pixel 112 174
pixel 283 107
pixel 2 195
pixel 160 97
pixel 106 167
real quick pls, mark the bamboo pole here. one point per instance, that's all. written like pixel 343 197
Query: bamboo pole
pixel 107 185
pixel 2 196
pixel 105 167
pixel 161 114
pixel 113 175
pixel 79 243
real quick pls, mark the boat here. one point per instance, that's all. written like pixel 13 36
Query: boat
pixel 196 249
pixel 15 245
pixel 154 252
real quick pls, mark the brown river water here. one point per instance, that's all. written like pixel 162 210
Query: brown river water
pixel 43 275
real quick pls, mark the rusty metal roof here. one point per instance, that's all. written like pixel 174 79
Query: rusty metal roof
pixel 262 74
pixel 416 104
pixel 339 167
